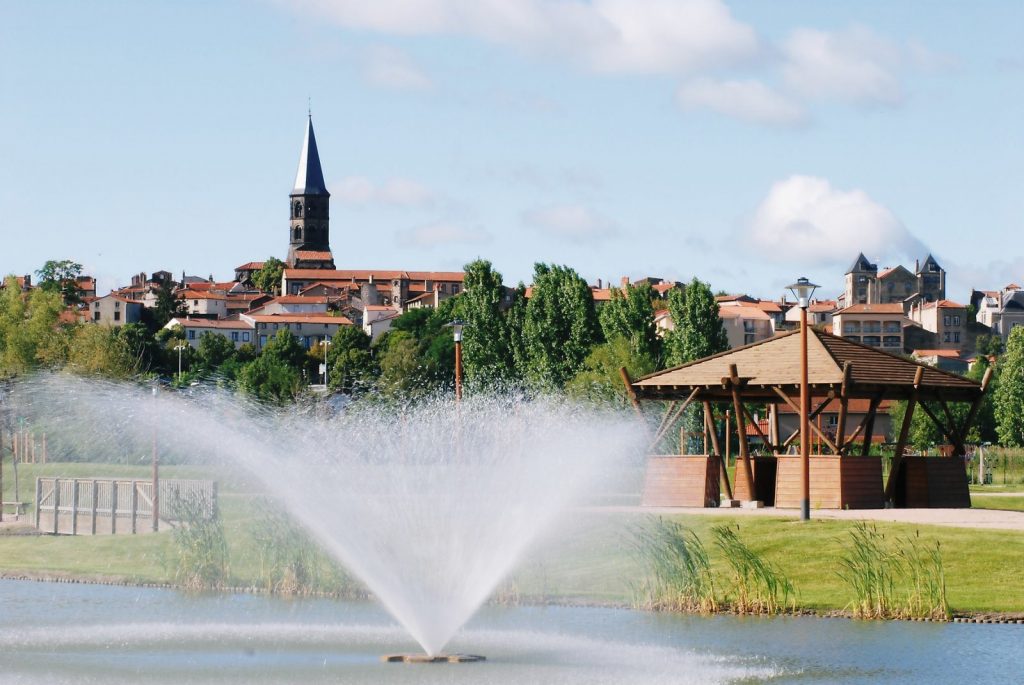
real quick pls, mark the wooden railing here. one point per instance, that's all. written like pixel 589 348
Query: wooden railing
pixel 111 506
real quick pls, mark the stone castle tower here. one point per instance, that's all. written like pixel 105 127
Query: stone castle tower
pixel 309 233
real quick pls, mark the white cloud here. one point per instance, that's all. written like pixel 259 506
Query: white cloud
pixel 443 233
pixel 804 220
pixel 393 192
pixel 388 67
pixel 575 223
pixel 604 35
pixel 750 101
pixel 854 65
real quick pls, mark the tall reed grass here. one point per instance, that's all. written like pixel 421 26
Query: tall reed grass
pixel 200 550
pixel 678 571
pixel 757 586
pixel 898 578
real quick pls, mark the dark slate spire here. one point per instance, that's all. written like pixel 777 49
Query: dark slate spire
pixel 929 265
pixel 862 264
pixel 309 179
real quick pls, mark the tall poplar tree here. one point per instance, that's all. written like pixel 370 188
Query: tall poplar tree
pixel 1009 394
pixel 486 352
pixel 698 331
pixel 560 326
pixel 629 314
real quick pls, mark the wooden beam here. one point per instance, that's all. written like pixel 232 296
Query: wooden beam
pixel 817 410
pixel 975 406
pixel 757 428
pixel 624 375
pixel 901 441
pixel 664 417
pixel 869 423
pixel 954 430
pixel 814 428
pixel 737 404
pixel 938 424
pixel 709 422
pixel 667 425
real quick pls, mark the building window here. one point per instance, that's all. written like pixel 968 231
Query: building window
pixel 298 233
pixel 297 210
pixel 245 336
pixel 947 320
pixel 854 338
pixel 117 316
pixel 945 337
pixel 748 338
pixel 956 320
pixel 891 327
pixel 873 340
pixel 117 305
pixel 263 340
pixel 234 336
pixel 195 303
pixel 892 341
pixel 872 327
pixel 851 327
pixel 96 315
pixel 956 337
pixel 298 326
pixel 192 335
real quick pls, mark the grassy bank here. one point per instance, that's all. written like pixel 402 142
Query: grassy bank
pixel 589 558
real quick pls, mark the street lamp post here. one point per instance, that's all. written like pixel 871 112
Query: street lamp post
pixel 326 344
pixel 180 348
pixel 156 470
pixel 457 327
pixel 803 289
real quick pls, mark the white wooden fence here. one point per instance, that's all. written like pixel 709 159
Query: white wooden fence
pixel 112 506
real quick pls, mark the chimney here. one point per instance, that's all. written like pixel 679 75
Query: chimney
pixel 599 284
pixel 917 266
pixel 625 281
pixel 371 279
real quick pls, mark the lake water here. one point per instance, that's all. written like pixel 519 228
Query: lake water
pixel 69 633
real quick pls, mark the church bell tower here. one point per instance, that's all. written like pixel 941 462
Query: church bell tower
pixel 309 210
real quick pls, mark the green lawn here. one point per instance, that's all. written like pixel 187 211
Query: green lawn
pixel 1006 503
pixel 589 558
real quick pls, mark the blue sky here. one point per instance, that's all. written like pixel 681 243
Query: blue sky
pixel 746 143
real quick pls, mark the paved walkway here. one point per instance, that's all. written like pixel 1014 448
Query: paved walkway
pixel 957 518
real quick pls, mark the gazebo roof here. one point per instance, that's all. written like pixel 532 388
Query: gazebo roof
pixel 775 363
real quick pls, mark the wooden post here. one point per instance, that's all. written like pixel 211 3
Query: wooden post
pixel 44 448
pixel 2 476
pixel 709 421
pixel 844 399
pixel 869 425
pixel 95 497
pixel 728 437
pixel 74 506
pixel 744 454
pixel 777 437
pixel 135 505
pixel 155 508
pixel 39 499
pixel 113 507
pixel 666 424
pixel 56 505
pixel 901 440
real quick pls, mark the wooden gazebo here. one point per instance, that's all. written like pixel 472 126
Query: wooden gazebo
pixel 845 476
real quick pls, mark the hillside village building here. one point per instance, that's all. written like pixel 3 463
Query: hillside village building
pixel 865 284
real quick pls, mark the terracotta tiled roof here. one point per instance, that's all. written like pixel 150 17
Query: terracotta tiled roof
pixel 366 274
pixel 310 317
pixel 201 295
pixel 314 255
pixel 738 311
pixel 250 266
pixel 894 308
pixel 949 354
pixel 301 299
pixel 232 323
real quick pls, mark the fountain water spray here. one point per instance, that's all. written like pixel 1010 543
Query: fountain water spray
pixel 431 505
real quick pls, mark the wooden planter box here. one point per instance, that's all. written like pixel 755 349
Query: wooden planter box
pixel 836 482
pixel 682 481
pixel 932 482
pixel 763 469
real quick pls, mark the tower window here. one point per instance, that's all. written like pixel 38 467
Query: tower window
pixel 297 234
pixel 297 210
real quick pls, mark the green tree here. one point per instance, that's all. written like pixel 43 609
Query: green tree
pixel 487 354
pixel 285 349
pixel 599 380
pixel 698 331
pixel 401 370
pixel 213 352
pixel 989 345
pixel 1009 394
pixel 350 364
pixel 515 319
pixel 560 326
pixel 61 277
pixel 142 345
pixel 269 379
pixel 101 351
pixel 629 314
pixel 268 279
pixel 166 308
pixel 30 332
